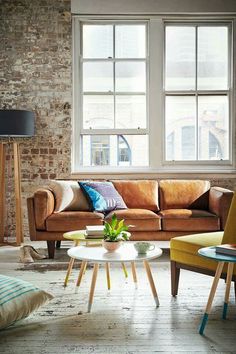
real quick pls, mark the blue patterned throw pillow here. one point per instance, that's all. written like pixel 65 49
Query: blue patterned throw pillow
pixel 95 199
pixel 102 196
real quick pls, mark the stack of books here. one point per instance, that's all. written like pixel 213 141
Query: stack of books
pixel 94 231
pixel 228 249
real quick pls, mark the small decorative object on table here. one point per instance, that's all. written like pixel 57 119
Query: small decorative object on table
pixel 114 233
pixel 229 249
pixel 95 231
pixel 143 247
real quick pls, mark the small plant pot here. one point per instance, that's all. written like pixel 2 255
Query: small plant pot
pixel 111 246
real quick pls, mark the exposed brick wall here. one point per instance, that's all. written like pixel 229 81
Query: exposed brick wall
pixel 35 74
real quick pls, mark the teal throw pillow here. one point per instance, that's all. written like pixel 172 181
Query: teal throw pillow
pixel 95 199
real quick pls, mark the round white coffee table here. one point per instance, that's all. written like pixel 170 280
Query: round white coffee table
pixel 126 253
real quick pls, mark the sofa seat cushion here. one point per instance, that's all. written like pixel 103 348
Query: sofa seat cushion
pixel 184 249
pixel 140 194
pixel 73 220
pixel 189 220
pixel 142 219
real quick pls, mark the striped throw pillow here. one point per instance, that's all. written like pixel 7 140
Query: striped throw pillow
pixel 18 299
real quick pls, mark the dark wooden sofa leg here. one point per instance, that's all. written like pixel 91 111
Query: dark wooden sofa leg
pixel 175 271
pixel 51 249
pixel 58 244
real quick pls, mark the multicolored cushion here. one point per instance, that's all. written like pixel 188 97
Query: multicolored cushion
pixel 18 299
pixel 100 192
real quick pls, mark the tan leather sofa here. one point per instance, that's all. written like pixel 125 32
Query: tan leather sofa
pixel 158 211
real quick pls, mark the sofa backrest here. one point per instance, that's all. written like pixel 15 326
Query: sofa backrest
pixel 184 194
pixel 141 194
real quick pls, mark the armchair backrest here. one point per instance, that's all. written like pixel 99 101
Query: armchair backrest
pixel 230 226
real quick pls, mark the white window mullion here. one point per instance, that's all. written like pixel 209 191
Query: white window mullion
pixel 77 94
pixel 156 106
pixel 196 94
pixel 114 131
pixel 114 74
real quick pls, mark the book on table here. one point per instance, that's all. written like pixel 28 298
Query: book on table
pixel 94 231
pixel 229 249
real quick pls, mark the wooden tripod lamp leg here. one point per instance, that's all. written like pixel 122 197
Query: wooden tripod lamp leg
pixel 17 181
pixel 2 189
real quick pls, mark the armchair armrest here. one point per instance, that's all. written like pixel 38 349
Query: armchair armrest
pixel 44 203
pixel 219 203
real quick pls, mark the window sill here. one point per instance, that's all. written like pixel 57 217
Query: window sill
pixel 148 173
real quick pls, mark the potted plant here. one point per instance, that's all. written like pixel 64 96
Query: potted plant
pixel 114 233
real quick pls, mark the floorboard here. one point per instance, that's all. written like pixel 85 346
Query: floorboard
pixel 123 320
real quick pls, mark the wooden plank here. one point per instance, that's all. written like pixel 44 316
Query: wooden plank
pixel 2 189
pixel 17 181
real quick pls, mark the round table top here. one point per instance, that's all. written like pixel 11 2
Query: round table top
pixel 126 253
pixel 210 252
pixel 79 235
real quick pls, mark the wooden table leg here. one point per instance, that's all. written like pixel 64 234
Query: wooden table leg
pixel 108 276
pixel 81 273
pixel 134 274
pixel 211 296
pixel 68 273
pixel 124 269
pixel 93 283
pixel 70 266
pixel 227 290
pixel 151 282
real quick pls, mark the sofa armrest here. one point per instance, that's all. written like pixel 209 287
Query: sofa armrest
pixel 44 204
pixel 219 203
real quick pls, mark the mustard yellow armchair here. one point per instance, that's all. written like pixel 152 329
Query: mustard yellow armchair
pixel 184 250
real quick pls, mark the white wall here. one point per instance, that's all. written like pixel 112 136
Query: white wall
pixel 106 7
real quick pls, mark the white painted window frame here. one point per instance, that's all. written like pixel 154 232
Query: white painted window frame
pixel 197 92
pixel 155 102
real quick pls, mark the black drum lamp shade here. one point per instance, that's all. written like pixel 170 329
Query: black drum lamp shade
pixel 17 123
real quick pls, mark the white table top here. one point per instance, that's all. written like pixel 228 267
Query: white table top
pixel 126 253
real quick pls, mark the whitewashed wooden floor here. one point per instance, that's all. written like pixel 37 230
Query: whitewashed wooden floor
pixel 123 320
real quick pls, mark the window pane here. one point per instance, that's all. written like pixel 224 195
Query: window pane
pixel 98 111
pixel 138 145
pixel 130 111
pixel 212 58
pixel 180 128
pixel 97 41
pixel 115 150
pixel 180 58
pixel 96 150
pixel 213 127
pixel 124 152
pixel 130 77
pixel 130 41
pixel 97 77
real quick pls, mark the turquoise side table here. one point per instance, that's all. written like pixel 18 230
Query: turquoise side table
pixel 209 252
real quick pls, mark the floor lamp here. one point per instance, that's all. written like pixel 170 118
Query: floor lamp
pixel 13 124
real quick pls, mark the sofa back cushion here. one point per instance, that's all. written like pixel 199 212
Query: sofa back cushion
pixel 141 194
pixel 68 196
pixel 184 194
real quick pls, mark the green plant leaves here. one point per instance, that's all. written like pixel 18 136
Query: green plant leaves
pixel 115 231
